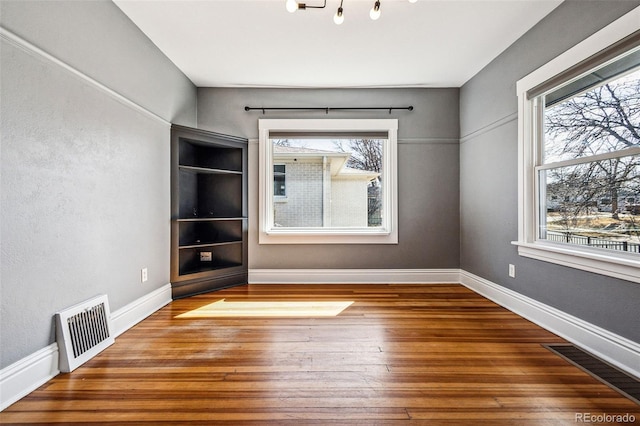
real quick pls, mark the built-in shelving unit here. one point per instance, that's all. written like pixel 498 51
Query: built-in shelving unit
pixel 209 211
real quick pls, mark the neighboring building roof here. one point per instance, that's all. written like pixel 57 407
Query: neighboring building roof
pixel 338 168
pixel 339 158
pixel 280 149
pixel 338 164
pixel 348 172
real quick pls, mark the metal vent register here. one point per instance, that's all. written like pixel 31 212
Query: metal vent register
pixel 611 376
pixel 83 331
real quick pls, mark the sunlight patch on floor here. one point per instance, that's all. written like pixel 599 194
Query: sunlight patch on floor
pixel 222 308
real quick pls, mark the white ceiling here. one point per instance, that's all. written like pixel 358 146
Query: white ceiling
pixel 257 43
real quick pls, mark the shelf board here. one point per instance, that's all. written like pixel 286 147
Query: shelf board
pixel 201 245
pixel 196 169
pixel 209 219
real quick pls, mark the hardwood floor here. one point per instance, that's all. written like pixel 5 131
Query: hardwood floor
pixel 421 354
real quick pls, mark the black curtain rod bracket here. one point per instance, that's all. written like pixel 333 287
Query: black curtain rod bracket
pixel 326 109
pixel 307 6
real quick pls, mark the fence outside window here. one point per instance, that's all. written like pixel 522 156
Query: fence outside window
pixel 566 237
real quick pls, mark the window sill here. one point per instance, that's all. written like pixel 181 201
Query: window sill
pixel 333 236
pixel 625 267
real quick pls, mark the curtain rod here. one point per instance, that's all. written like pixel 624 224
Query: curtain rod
pixel 325 109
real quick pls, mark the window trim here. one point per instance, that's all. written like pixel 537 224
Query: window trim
pixel 618 265
pixel 388 234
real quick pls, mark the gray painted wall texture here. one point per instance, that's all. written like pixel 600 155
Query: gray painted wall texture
pixel 428 173
pixel 488 178
pixel 85 177
pixel 97 38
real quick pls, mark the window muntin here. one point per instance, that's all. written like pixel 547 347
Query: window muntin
pixel 340 181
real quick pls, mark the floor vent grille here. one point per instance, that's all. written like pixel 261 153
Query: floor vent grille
pixel 606 373
pixel 83 331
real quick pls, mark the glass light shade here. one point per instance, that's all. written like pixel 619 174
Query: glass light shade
pixel 292 5
pixel 338 18
pixel 375 11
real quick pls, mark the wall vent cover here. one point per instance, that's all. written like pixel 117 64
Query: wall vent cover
pixel 83 331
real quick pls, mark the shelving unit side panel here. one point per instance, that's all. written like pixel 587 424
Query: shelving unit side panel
pixel 188 195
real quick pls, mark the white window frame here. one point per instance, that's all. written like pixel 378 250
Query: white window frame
pixel 614 264
pixel 386 234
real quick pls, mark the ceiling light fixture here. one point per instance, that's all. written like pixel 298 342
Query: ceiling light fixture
pixel 338 18
pixel 375 11
pixel 292 6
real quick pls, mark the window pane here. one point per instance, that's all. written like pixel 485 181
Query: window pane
pixel 279 180
pixel 593 204
pixel 330 183
pixel 603 119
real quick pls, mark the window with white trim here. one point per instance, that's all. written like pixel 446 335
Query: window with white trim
pixel 579 154
pixel 328 181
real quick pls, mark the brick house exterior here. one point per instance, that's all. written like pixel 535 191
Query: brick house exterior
pixel 320 190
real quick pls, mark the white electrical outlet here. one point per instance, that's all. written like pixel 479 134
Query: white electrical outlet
pixel 144 275
pixel 512 270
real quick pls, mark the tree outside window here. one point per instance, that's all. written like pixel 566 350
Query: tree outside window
pixel 590 174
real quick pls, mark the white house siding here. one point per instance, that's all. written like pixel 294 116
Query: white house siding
pixel 302 206
pixel 349 202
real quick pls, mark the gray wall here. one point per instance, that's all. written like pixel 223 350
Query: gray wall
pixel 488 176
pixel 85 177
pixel 428 172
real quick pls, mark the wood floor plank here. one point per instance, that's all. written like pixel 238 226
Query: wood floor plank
pixel 422 354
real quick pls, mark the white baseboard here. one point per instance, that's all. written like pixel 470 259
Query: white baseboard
pixel 616 350
pixel 354 276
pixel 26 375
pixel 131 314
